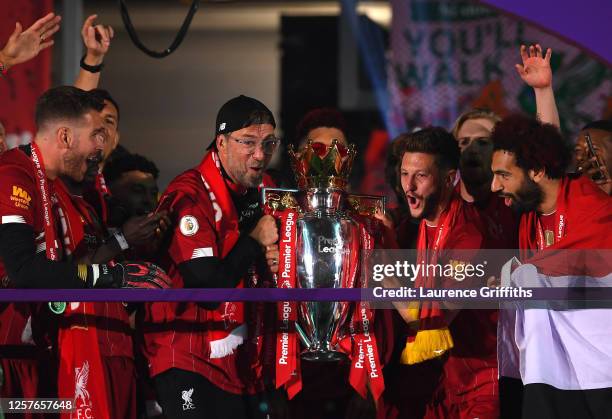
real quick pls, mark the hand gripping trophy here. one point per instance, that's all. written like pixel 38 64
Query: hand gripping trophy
pixel 323 235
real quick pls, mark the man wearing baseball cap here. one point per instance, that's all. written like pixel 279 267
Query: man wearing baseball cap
pixel 199 355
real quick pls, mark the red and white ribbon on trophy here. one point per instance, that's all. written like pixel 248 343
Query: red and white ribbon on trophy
pixel 287 345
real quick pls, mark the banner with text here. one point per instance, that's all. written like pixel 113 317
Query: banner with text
pixel 450 56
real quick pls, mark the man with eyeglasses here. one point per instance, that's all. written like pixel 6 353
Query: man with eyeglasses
pixel 198 353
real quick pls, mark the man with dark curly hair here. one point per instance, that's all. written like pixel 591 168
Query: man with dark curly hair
pixel 529 162
pixel 564 376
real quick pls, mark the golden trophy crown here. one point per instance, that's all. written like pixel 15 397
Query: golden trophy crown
pixel 322 167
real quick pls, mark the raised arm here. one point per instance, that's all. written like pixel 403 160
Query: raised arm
pixel 97 40
pixel 25 45
pixel 536 72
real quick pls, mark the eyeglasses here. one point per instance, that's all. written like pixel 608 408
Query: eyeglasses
pixel 267 146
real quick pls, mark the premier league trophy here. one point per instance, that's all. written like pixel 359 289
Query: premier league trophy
pixel 320 241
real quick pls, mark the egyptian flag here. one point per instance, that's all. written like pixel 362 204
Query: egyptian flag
pixel 563 353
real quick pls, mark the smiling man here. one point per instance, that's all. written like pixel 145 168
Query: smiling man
pixel 563 376
pixel 70 132
pixel 450 232
pixel 197 351
pixel 529 163
pixel 34 252
pixel 68 142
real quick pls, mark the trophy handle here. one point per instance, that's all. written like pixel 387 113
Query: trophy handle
pixel 305 341
pixel 276 194
pixel 366 205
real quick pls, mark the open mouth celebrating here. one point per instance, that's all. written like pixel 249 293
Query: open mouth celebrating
pixel 414 202
pixel 508 199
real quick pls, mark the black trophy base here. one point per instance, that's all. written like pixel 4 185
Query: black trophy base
pixel 323 356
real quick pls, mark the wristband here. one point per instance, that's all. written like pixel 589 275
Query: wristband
pixel 90 68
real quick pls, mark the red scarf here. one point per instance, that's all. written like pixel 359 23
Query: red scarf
pixel 74 214
pixel 80 375
pixel 229 314
pixel 430 314
pixel 103 193
pixel 45 194
pixel 433 338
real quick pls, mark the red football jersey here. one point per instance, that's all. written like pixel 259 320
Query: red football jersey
pixel 470 372
pixel 177 335
pixel 112 320
pixel 501 224
pixel 19 203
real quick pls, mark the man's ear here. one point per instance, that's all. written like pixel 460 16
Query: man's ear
pixel 115 142
pixel 451 175
pixel 536 175
pixel 64 137
pixel 221 141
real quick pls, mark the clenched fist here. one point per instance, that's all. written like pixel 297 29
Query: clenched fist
pixel 266 231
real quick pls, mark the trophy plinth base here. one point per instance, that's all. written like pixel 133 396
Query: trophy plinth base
pixel 323 356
